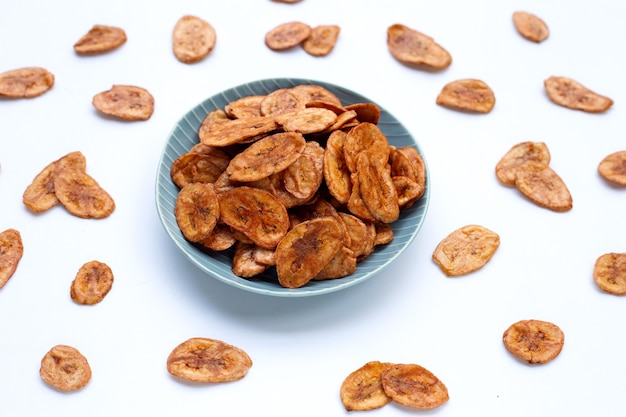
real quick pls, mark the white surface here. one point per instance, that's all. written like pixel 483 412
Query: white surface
pixel 303 348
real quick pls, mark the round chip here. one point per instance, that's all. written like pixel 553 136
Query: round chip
pixel 308 120
pixel 571 94
pixel 205 166
pixel 193 39
pixel 197 211
pixel 412 47
pixel 613 167
pixel 466 250
pixel 509 165
pixel 541 185
pixel 125 102
pixel 413 386
pixel 287 35
pixel 92 283
pixel 99 39
pixel 609 273
pixel 65 368
pixel 530 26
pixel 365 136
pixel 26 82
pixel 534 341
pixel 11 252
pixel 322 40
pixel 81 195
pixel 467 94
pixel 201 359
pixel 362 390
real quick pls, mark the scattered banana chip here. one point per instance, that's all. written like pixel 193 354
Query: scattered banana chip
pixel 362 390
pixel 467 94
pixel 207 360
pixel 543 186
pixel 192 39
pixel 534 341
pixel 609 273
pixel 92 283
pixel 466 250
pixel 530 26
pixel 65 368
pixel 81 195
pixel 571 94
pixel 613 167
pixel 26 82
pixel 99 39
pixel 321 40
pixel 509 165
pixel 414 386
pixel 125 102
pixel 287 35
pixel 11 252
pixel 409 46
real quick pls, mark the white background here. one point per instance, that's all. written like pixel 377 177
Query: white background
pixel 303 348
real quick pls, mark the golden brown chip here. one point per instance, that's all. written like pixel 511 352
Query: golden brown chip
pixel 197 211
pixel 613 167
pixel 287 35
pixel 306 249
pixel 192 39
pixel 305 175
pixel 256 213
pixel 377 188
pixel 245 264
pixel 11 252
pixel 39 196
pixel 573 95
pixel 92 283
pixel 65 368
pixel 126 102
pixel 355 204
pixel 384 233
pixel 264 256
pixel 467 94
pixel 315 93
pixel 365 112
pixel 100 38
pixel 199 166
pixel 412 47
pixel 307 120
pixel 365 136
pixel 509 165
pixel 413 386
pixel 466 250
pixel 534 341
pixel 341 265
pixel 201 359
pixel 362 390
pixel 530 26
pixel 609 273
pixel 322 40
pixel 541 185
pixel 221 238
pixel 248 106
pixel 336 172
pixel 25 82
pixel 283 100
pixel 81 195
pixel 358 231
pixel 266 156
pixel 407 190
pixel 229 132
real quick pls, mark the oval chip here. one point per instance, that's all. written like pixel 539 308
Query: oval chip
pixel 25 82
pixel 205 166
pixel 305 175
pixel 197 211
pixel 192 39
pixel 377 188
pixel 534 341
pixel 512 161
pixel 414 386
pixel 613 167
pixel 11 252
pixel 125 102
pixel 571 94
pixel 92 283
pixel 201 359
pixel 530 26
pixel 365 136
pixel 362 390
pixel 467 94
pixel 99 39
pixel 409 46
pixel 81 195
pixel 287 35
pixel 306 121
pixel 322 40
pixel 65 368
pixel 609 273
pixel 543 186
pixel 466 250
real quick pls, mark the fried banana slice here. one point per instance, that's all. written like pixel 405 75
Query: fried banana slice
pixel 408 190
pixel 266 156
pixel 65 368
pixel 126 102
pixel 39 196
pixel 365 136
pixel 355 204
pixel 530 26
pixel 221 238
pixel 99 39
pixel 256 213
pixel 245 264
pixel 613 167
pixel 315 93
pixel 25 82
pixel 609 273
pixel 365 112
pixel 571 94
pixel 544 187
pixel 336 172
pixel 201 359
pixel 414 386
pixel 283 100
pixel 362 390
pixel 467 94
pixel 205 166
pixel 341 265
pixel 248 106
pixel 377 188
pixel 287 35
pixel 534 341
pixel 306 250
pixel 466 250
pixel 232 131
pixel 308 120
pixel 197 210
pixel 321 40
pixel 92 283
pixel 305 175
pixel 81 195
pixel 193 39
pixel 409 46
pixel 11 252
pixel 509 165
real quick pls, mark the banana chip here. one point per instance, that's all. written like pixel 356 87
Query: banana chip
pixel 11 252
pixel 534 341
pixel 197 211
